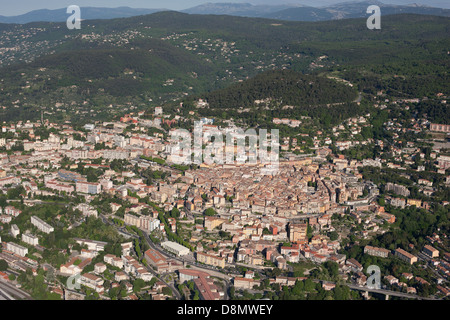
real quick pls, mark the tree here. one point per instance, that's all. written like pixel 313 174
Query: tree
pixel 210 212
pixel 341 293
pixel 138 285
pixel 3 202
pixel 332 267
pixel 298 288
pixel 167 291
pixel 232 292
pixel 381 201
pixel 3 265
pixel 196 296
pixel 14 193
pixel 333 235
pixel 309 285
pixel 175 213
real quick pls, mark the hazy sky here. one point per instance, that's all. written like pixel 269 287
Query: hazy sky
pixel 16 7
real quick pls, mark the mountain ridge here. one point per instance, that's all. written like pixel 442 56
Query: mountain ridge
pixel 145 61
pixel 287 12
pixel 88 13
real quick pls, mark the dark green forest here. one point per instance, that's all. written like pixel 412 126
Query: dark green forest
pixel 286 86
pixel 407 58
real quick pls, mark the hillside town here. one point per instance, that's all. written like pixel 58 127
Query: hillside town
pixel 104 212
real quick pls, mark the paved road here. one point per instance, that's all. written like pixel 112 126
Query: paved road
pixel 5 296
pixel 380 291
pixel 156 275
pixel 194 265
pixel 388 292
pixel 121 230
pixel 427 260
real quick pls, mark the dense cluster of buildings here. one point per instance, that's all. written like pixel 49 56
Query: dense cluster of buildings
pixel 259 221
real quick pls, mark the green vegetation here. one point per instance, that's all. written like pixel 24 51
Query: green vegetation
pixel 3 265
pixel 36 285
pixel 293 88
pixel 302 290
pixel 157 160
pixel 153 63
pixel 210 212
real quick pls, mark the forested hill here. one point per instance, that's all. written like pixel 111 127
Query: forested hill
pixel 100 74
pixel 109 67
pixel 281 94
pixel 283 87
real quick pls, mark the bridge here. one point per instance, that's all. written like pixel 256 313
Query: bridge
pixel 388 293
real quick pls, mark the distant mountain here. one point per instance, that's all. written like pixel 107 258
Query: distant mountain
pixel 349 10
pixel 236 9
pixel 280 12
pixel 89 78
pixel 87 13
pixel 303 14
pixel 343 10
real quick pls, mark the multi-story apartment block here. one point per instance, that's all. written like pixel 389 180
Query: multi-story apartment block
pixel 88 187
pixel 210 259
pixel 41 225
pixel 430 251
pixel 92 281
pixel 5 219
pixel 70 176
pixel 377 252
pixel 113 260
pixel 443 162
pixel 398 189
pixel 30 239
pixel 405 256
pixel 297 232
pixel 440 127
pixel 60 186
pixel 213 222
pixel 15 230
pixel 144 223
pixel 10 210
pixel 17 249
pixel 8 180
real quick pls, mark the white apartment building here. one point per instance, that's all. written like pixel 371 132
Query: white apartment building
pixel 41 225
pixel 92 281
pixel 15 230
pixel 30 239
pixel 175 248
pixel 113 260
pixel 10 210
pixel 17 249
pixel 92 244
